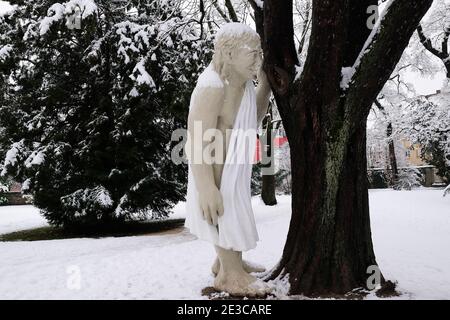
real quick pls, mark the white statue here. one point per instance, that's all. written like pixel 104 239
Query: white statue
pixel 218 199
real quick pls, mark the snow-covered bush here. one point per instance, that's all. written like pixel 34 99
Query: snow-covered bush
pixel 92 93
pixel 408 178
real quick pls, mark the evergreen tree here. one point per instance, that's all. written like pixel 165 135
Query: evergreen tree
pixel 94 91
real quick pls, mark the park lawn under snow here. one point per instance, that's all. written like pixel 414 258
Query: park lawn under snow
pixel 16 218
pixel 411 234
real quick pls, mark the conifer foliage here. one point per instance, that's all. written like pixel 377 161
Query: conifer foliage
pixel 92 93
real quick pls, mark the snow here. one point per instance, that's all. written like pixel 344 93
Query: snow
pixel 143 76
pixel 260 3
pixel 103 197
pixel 54 14
pixel 233 29
pixel 68 9
pixel 447 190
pixel 5 51
pixel 119 210
pixel 298 71
pixel 349 72
pixel 82 198
pixel 6 8
pixel 411 233
pixel 167 266
pixel 134 92
pixel 126 43
pixel 36 158
pixel 11 155
pixel 86 7
pixel 26 184
pixel 17 218
pixel 209 78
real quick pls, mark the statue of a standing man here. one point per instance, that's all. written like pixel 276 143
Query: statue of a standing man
pixel 224 112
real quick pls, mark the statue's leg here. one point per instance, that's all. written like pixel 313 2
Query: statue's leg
pixel 232 277
pixel 250 267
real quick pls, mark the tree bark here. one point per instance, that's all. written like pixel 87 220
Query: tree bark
pixel 329 247
pixel 268 185
pixel 392 156
pixel 268 171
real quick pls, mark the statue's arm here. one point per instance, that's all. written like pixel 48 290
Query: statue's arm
pixel 203 116
pixel 263 92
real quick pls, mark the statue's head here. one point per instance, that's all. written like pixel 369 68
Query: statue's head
pixel 237 48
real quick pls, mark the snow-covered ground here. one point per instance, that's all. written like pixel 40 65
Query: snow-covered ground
pixel 411 233
pixel 16 218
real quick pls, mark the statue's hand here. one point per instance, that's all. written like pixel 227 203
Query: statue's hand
pixel 211 204
pixel 262 76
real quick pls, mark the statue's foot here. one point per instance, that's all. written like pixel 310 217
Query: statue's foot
pixel 215 267
pixel 241 284
pixel 249 267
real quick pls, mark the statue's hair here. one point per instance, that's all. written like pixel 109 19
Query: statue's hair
pixel 230 37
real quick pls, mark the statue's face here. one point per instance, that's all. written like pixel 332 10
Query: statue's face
pixel 246 60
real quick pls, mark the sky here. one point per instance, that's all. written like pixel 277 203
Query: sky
pixel 423 85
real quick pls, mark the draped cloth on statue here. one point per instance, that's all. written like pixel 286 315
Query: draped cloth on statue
pixel 236 229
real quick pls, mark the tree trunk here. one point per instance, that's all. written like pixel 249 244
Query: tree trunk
pixel 268 190
pixel 268 176
pixel 392 156
pixel 391 146
pixel 268 171
pixel 329 246
pixel 325 252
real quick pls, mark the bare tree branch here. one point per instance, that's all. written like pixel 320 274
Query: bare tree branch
pixel 220 11
pixel 377 65
pixel 202 16
pixel 231 11
pixel 426 42
pixel 445 42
